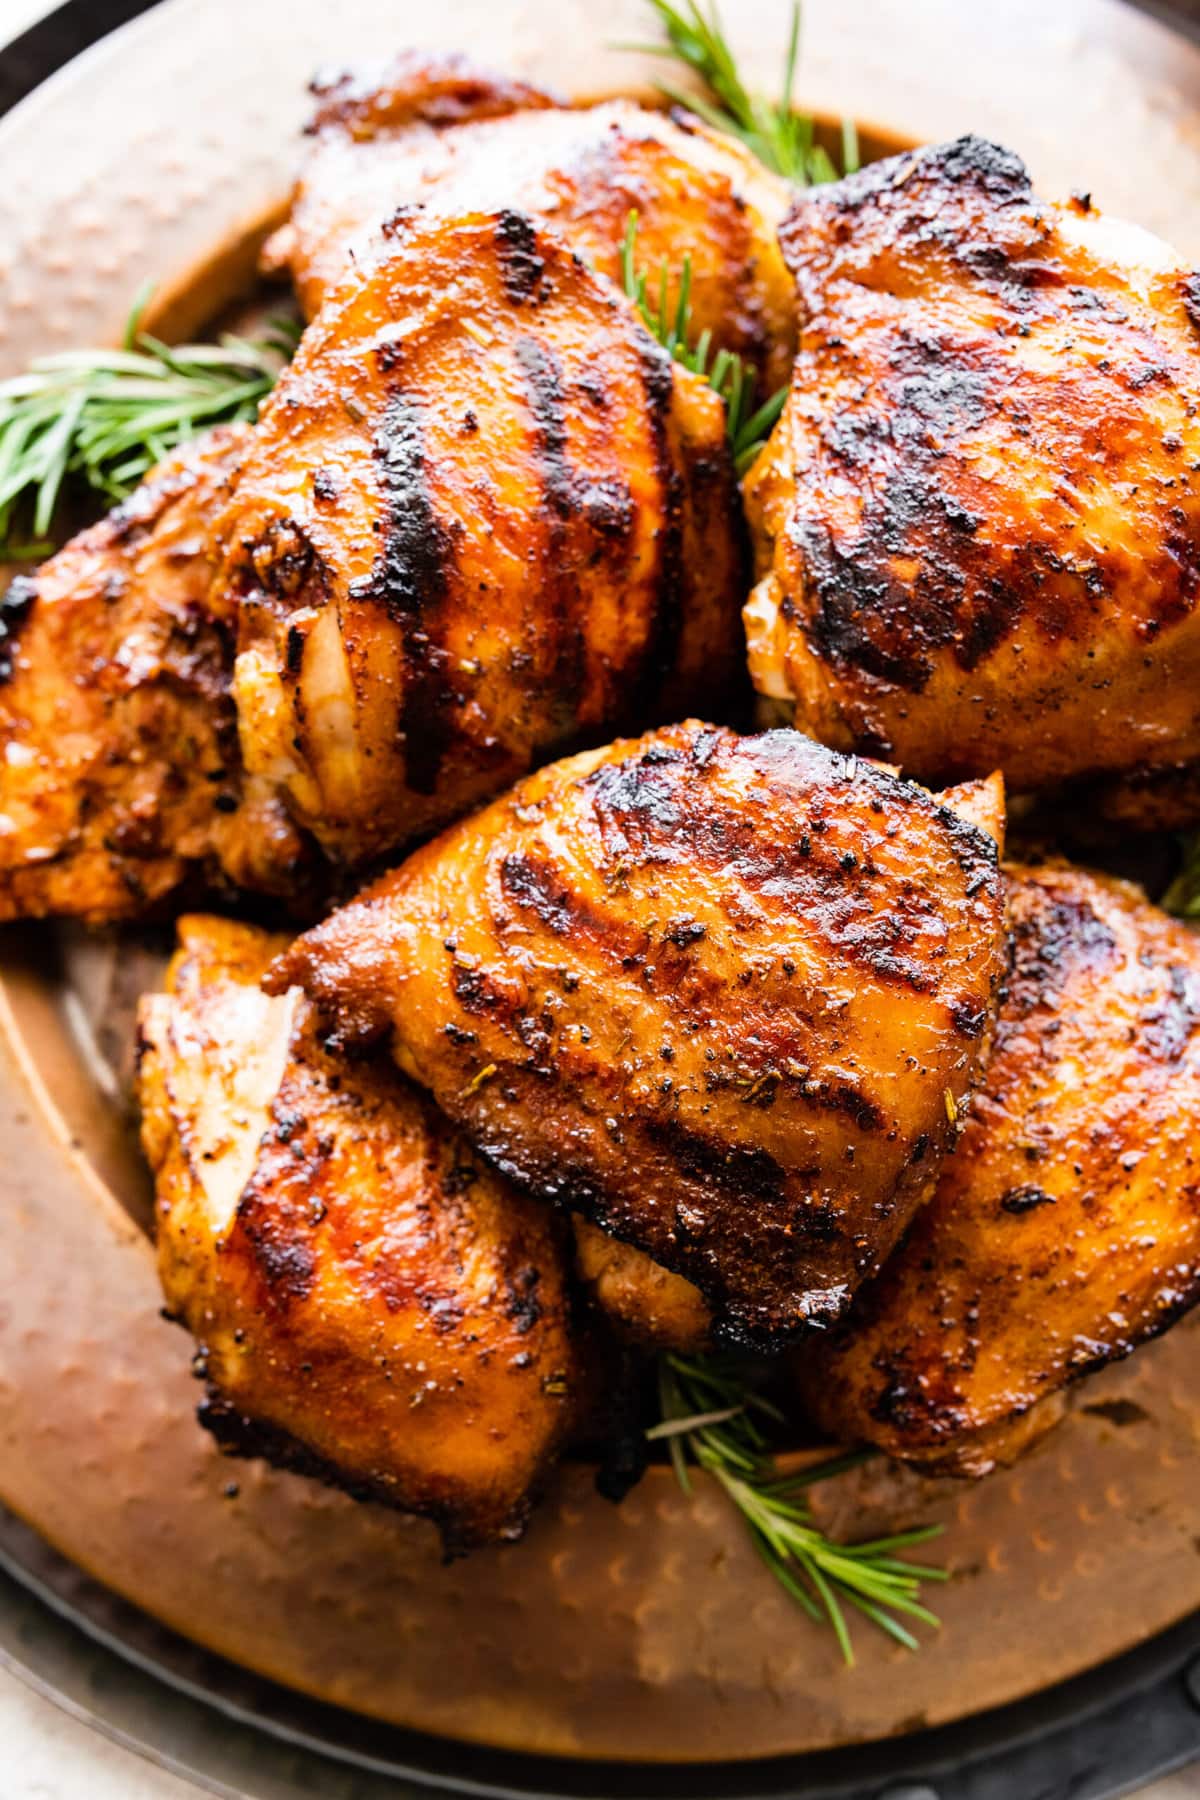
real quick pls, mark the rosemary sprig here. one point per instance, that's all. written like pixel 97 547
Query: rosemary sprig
pixel 713 1417
pixel 101 418
pixel 748 426
pixel 780 137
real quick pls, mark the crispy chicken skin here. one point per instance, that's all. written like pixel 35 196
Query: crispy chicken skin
pixel 644 1303
pixel 436 132
pixel 119 769
pixel 722 995
pixel 485 518
pixel 1065 1229
pixel 977 524
pixel 371 1301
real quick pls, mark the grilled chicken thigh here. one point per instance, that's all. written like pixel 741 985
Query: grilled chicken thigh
pixel 119 771
pixel 434 131
pixel 723 995
pixel 485 518
pixel 1065 1229
pixel 371 1301
pixel 977 523
pixel 645 1304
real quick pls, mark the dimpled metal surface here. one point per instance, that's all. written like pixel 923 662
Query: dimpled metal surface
pixel 648 1630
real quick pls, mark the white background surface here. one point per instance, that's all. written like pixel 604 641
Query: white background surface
pixel 46 1755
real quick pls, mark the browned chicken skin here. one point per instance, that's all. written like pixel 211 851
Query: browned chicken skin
pixel 434 131
pixel 372 1302
pixel 119 767
pixel 644 1303
pixel 977 523
pixel 1065 1229
pixel 485 518
pixel 723 995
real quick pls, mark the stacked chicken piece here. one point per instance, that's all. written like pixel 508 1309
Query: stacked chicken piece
pixel 695 1036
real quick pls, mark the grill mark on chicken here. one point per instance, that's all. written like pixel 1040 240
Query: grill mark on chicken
pixel 543 382
pixel 412 578
pixel 667 621
pixel 640 806
pixel 892 945
pixel 1066 1230
pixel 1189 288
pixel 767 1064
pixel 509 609
pixel 536 885
pixel 967 594
pixel 522 269
pixel 987 166
pixel 980 509
pixel 739 1106
pixel 284 1261
pixel 1169 1025
pixel 1058 941
pixel 741 1171
pixel 377 1290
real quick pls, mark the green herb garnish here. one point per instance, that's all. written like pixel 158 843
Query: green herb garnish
pixel 780 137
pixel 713 1417
pixel 102 418
pixel 747 425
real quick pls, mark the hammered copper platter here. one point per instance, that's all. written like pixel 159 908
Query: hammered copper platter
pixel 648 1630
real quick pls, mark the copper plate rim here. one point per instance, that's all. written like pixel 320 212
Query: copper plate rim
pixel 1158 1682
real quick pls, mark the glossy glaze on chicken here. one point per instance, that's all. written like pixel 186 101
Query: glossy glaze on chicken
pixel 371 1302
pixel 437 132
pixel 977 523
pixel 120 775
pixel 1065 1229
pixel 485 518
pixel 723 995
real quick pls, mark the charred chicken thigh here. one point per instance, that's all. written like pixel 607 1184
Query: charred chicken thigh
pixel 434 131
pixel 649 1306
pixel 725 996
pixel 977 523
pixel 1065 1229
pixel 485 518
pixel 119 772
pixel 371 1302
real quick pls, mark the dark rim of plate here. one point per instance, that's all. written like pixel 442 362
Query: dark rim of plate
pixel 1092 1738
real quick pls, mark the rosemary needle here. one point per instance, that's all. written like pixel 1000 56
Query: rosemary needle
pixel 711 1417
pixel 101 419
pixel 782 139
pixel 730 375
pixel 778 135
